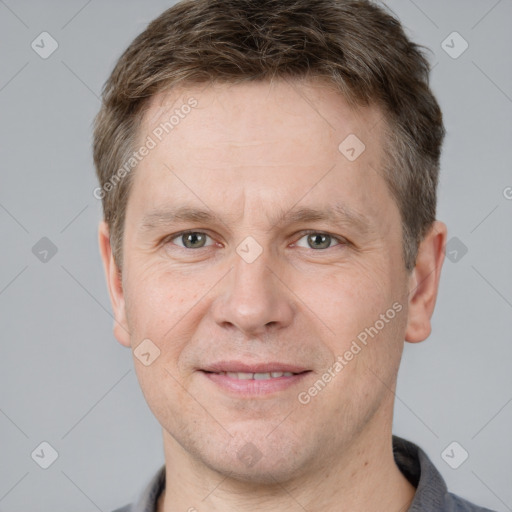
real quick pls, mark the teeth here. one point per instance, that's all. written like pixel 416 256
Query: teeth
pixel 261 376
pixel 244 376
pixel 256 376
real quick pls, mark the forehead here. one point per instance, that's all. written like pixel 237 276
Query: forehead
pixel 276 111
pixel 276 140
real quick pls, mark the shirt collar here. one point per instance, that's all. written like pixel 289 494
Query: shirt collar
pixel 415 465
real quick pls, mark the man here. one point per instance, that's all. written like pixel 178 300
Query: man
pixel 268 171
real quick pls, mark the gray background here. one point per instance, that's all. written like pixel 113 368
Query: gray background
pixel 64 378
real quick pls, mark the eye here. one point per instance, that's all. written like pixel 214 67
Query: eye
pixel 190 240
pixel 318 240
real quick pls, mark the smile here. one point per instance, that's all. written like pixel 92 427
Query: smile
pixel 256 376
pixel 239 381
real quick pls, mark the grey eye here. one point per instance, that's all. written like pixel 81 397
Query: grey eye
pixel 191 240
pixel 316 241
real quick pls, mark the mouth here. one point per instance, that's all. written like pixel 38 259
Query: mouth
pixel 255 376
pixel 251 380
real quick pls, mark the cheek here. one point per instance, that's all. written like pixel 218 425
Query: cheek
pixel 165 306
pixel 162 387
pixel 349 300
pixel 156 298
pixel 366 314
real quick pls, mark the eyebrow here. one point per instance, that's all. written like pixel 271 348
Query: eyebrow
pixel 339 214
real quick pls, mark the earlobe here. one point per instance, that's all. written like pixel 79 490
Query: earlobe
pixel 424 283
pixel 114 284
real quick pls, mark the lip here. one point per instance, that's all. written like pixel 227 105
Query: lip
pixel 240 366
pixel 253 388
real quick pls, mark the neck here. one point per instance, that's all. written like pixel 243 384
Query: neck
pixel 363 477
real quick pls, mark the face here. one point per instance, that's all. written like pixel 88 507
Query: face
pixel 264 262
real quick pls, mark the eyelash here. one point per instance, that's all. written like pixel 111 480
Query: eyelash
pixel 341 241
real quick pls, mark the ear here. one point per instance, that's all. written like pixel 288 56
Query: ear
pixel 115 286
pixel 424 283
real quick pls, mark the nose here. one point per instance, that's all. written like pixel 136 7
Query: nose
pixel 254 299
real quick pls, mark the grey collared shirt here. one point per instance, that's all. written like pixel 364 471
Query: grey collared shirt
pixel 431 492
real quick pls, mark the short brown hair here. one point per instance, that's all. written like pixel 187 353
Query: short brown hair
pixel 356 46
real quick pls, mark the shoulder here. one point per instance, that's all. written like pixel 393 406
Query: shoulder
pixel 147 499
pixel 431 491
pixel 457 504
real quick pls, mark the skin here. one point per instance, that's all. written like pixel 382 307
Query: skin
pixel 251 153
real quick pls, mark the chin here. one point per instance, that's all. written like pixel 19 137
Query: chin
pixel 262 473
pixel 257 459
